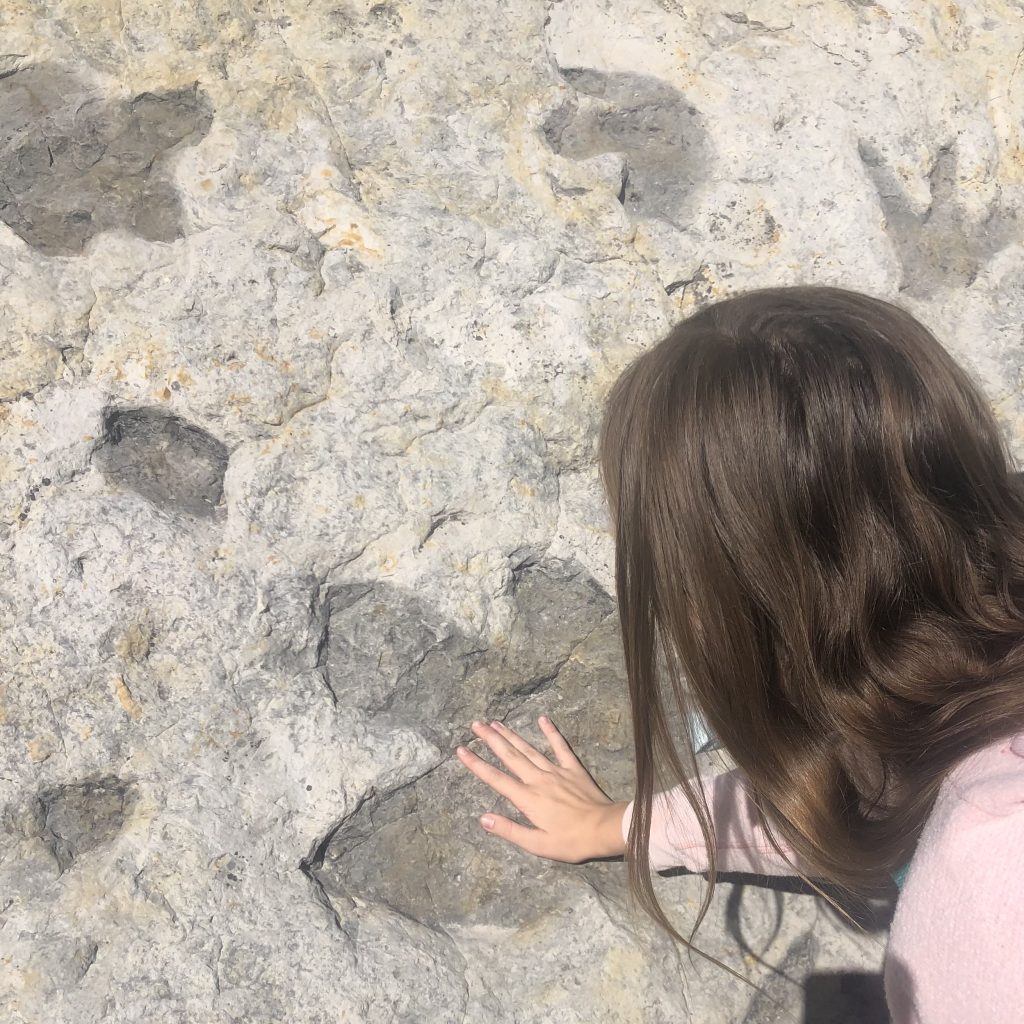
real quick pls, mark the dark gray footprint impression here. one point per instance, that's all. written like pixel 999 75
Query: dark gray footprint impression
pixel 73 819
pixel 418 849
pixel 176 465
pixel 938 249
pixel 659 133
pixel 386 651
pixel 75 162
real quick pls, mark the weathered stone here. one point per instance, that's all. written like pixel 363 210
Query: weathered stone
pixel 307 319
pixel 389 655
pixel 74 162
pixel 158 455
pixel 80 817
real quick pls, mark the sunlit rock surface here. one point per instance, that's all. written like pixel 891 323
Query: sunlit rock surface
pixel 307 315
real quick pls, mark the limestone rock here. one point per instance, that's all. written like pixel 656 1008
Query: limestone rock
pixel 307 316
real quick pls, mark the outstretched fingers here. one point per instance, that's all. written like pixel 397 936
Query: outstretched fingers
pixel 503 784
pixel 531 753
pixel 561 749
pixel 510 749
pixel 536 783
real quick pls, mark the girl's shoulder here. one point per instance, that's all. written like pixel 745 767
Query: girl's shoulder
pixel 963 888
pixel 990 780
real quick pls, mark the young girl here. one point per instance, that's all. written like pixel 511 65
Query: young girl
pixel 816 524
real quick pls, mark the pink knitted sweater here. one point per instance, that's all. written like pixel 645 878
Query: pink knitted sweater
pixel 956 946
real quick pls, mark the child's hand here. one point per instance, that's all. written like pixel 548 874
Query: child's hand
pixel 575 820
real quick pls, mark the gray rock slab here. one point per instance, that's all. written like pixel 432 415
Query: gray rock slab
pixel 307 316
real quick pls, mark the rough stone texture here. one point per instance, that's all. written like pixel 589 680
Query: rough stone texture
pixel 307 315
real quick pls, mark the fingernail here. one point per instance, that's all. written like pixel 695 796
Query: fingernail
pixel 542 720
pixel 461 750
pixel 497 725
pixel 487 821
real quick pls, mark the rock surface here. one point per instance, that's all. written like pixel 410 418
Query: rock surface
pixel 307 315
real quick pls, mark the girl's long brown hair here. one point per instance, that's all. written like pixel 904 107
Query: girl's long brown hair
pixel 816 523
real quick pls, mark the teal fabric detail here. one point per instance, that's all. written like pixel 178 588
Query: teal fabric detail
pixel 702 737
pixel 899 877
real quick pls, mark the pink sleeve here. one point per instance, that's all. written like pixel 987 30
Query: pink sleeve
pixel 956 948
pixel 676 839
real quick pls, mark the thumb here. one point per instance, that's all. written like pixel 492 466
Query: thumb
pixel 528 839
